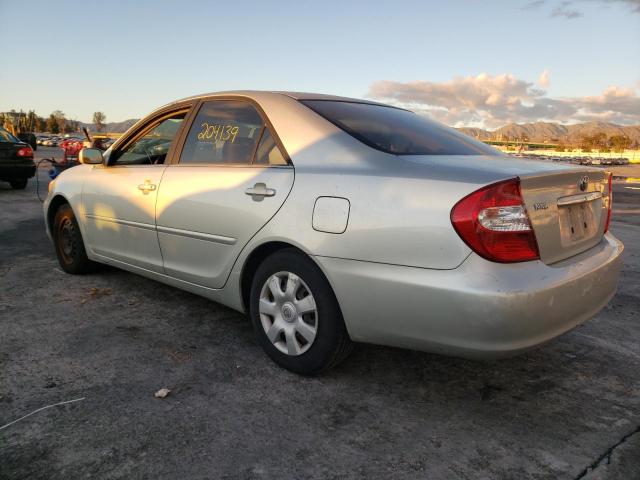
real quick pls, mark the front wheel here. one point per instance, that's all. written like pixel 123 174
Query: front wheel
pixel 296 316
pixel 69 244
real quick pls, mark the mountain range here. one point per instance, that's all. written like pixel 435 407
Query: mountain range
pixel 553 132
pixel 111 127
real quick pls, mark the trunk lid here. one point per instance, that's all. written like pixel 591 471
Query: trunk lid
pixel 8 150
pixel 543 184
pixel 568 210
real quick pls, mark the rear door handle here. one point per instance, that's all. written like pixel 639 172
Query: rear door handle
pixel 259 191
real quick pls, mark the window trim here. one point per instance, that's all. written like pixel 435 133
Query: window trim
pixel 361 138
pixel 255 152
pixel 266 124
pixel 144 127
pixel 257 145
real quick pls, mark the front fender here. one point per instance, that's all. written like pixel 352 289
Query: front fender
pixel 67 188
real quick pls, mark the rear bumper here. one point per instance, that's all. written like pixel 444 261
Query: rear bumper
pixel 17 171
pixel 479 310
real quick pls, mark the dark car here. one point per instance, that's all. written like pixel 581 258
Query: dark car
pixel 16 161
pixel 29 138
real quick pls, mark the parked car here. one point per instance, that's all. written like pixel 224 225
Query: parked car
pixel 107 142
pixel 16 161
pixel 28 138
pixel 52 142
pixel 332 220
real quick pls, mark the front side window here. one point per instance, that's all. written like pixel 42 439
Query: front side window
pixel 152 146
pixel 223 132
pixel 397 131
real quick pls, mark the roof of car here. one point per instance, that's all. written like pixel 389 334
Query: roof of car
pixel 294 95
pixel 322 96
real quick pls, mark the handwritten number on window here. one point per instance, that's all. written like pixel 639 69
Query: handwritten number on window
pixel 217 132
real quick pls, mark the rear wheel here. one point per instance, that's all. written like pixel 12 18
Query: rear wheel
pixel 20 184
pixel 296 316
pixel 68 242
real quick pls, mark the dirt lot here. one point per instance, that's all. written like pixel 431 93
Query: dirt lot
pixel 113 339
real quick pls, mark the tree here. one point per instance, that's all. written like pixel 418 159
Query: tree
pixel 60 119
pixel 586 143
pixel 619 143
pixel 32 120
pixel 52 124
pixel 98 120
pixel 597 141
pixel 600 140
pixel 23 125
pixel 72 126
pixel 6 122
pixel 41 124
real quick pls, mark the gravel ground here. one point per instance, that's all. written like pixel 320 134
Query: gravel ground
pixel 568 410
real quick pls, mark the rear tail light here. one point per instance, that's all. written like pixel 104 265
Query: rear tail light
pixel 25 152
pixel 494 222
pixel 609 202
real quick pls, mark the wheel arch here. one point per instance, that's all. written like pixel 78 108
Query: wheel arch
pixel 54 205
pixel 258 255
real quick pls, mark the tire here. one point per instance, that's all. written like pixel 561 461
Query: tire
pixel 68 243
pixel 292 318
pixel 19 184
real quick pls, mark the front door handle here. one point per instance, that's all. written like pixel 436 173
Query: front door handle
pixel 259 191
pixel 147 187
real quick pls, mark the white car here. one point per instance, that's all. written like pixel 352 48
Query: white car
pixel 331 220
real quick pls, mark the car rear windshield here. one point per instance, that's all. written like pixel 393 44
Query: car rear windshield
pixel 7 137
pixel 397 131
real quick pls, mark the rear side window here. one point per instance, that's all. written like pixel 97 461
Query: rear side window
pixel 6 137
pixel 397 131
pixel 223 132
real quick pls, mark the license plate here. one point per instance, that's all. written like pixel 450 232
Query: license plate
pixel 577 222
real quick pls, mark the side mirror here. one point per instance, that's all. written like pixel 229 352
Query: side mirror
pixel 90 156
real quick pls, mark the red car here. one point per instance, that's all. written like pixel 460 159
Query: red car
pixel 71 150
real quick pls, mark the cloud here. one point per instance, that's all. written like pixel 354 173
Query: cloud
pixel 533 5
pixel 570 9
pixel 563 10
pixel 615 104
pixel 634 5
pixel 493 100
pixel 543 79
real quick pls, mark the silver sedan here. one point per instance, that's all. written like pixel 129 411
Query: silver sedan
pixel 332 220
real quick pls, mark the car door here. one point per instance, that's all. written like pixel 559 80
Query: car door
pixel 231 177
pixel 119 196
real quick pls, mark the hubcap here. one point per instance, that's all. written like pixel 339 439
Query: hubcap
pixel 288 313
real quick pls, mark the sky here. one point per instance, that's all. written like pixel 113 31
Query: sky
pixel 465 62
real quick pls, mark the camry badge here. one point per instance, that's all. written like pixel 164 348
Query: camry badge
pixel 583 183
